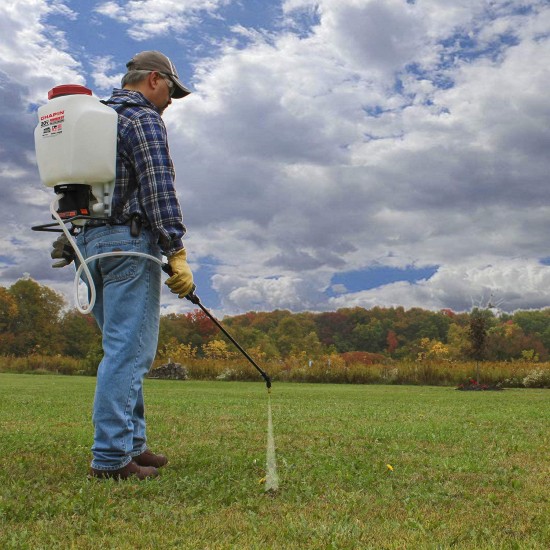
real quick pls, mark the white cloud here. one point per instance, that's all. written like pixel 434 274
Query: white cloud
pixel 336 169
pixel 149 18
pixel 510 284
pixel 281 293
pixel 368 132
pixel 102 66
pixel 33 53
pixel 378 36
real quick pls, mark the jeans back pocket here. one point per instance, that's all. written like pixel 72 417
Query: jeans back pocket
pixel 118 267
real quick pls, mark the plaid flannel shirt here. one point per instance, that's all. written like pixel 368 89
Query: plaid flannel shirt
pixel 145 172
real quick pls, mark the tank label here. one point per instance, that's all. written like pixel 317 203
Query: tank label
pixel 52 123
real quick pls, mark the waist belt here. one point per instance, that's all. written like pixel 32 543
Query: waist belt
pixel 134 222
pixel 101 223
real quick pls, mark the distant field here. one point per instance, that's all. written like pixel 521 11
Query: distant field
pixel 359 467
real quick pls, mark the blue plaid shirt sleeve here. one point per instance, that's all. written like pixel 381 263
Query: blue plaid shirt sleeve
pixel 155 175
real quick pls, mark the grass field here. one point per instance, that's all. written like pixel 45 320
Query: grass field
pixel 359 467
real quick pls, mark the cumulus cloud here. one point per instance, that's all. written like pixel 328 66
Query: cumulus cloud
pixel 342 149
pixel 32 53
pixel 378 36
pixel 355 133
pixel 150 18
pixel 243 294
pixel 101 77
pixel 508 284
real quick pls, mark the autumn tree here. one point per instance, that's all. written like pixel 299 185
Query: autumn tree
pixel 79 334
pixel 8 316
pixel 174 327
pixel 481 320
pixel 290 334
pixel 310 345
pixel 458 341
pixel 432 350
pixel 368 336
pixel 36 325
pixel 391 342
pixel 216 349
pixel 508 341
pixel 332 326
pixel 479 326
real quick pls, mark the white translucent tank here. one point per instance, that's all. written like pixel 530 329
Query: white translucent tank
pixel 76 141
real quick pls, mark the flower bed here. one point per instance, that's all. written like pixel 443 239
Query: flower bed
pixel 474 385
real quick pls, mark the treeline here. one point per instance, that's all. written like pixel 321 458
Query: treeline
pixel 34 320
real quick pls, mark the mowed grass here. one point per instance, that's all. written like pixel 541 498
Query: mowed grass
pixel 359 467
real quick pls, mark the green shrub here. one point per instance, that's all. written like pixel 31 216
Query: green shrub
pixel 537 378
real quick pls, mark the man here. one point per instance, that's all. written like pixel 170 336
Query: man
pixel 146 218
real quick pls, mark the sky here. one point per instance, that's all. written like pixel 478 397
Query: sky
pixel 333 153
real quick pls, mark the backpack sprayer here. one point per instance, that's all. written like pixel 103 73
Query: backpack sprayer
pixel 75 142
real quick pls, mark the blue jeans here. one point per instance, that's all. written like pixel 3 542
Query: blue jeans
pixel 127 310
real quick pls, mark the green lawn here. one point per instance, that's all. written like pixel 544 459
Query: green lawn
pixel 470 469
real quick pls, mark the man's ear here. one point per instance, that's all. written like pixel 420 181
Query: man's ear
pixel 154 79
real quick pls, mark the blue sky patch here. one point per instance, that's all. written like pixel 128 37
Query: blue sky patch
pixel 366 279
pixel 203 280
pixel 7 260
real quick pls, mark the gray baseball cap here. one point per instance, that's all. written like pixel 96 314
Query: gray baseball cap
pixel 156 61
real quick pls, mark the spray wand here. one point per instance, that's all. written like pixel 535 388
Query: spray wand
pixel 194 299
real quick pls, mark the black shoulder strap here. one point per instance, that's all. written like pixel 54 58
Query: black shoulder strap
pixel 133 182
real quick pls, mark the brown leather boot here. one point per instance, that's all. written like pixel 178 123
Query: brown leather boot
pixel 148 458
pixel 132 469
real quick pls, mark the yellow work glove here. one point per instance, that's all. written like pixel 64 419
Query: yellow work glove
pixel 181 280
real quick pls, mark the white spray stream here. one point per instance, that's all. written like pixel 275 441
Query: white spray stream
pixel 271 478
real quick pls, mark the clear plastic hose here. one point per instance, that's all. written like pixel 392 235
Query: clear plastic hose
pixel 87 308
